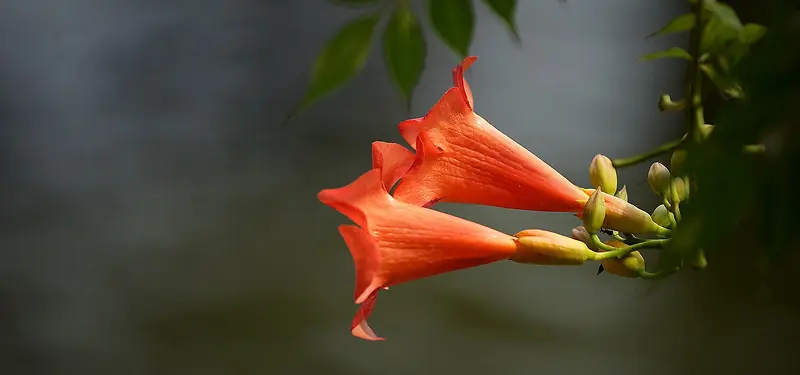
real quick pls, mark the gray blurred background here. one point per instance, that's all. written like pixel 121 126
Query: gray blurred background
pixel 157 219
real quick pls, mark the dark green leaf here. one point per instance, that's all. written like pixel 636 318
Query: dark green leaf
pixel 454 21
pixel 726 84
pixel 752 33
pixel 342 57
pixel 506 10
pixel 404 50
pixel 723 13
pixel 678 24
pixel 356 2
pixel 722 28
pixel 674 52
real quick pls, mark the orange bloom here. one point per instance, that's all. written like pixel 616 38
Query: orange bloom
pixel 461 158
pixel 395 242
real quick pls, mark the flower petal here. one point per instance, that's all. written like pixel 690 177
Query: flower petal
pixel 352 200
pixel 393 160
pixel 366 258
pixel 461 83
pixel 360 328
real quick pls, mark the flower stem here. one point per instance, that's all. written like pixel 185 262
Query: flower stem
pixel 694 118
pixel 633 160
pixel 656 275
pixel 610 252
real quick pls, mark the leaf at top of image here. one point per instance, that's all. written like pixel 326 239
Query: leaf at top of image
pixel 454 22
pixel 678 24
pixel 674 52
pixel 506 10
pixel 721 29
pixel 342 57
pixel 404 50
pixel 724 13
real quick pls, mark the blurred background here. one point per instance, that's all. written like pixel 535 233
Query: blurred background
pixel 159 217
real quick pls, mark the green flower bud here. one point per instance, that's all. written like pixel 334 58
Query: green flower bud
pixel 594 212
pixel 679 191
pixel 547 248
pixel 628 266
pixel 700 262
pixel 603 174
pixel 706 130
pixel 677 160
pixel 658 177
pixel 665 103
pixel 661 216
pixel 622 193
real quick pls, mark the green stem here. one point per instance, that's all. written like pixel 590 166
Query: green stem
pixel 633 160
pixel 675 207
pixel 754 149
pixel 694 118
pixel 656 275
pixel 610 252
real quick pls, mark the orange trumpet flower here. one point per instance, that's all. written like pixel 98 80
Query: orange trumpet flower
pixel 462 158
pixel 394 242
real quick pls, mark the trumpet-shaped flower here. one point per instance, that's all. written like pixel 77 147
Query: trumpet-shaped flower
pixel 462 158
pixel 394 242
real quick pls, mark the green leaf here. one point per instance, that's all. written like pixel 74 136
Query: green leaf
pixel 454 21
pixel 752 33
pixel 722 28
pixel 678 24
pixel 725 83
pixel 404 50
pixel 505 9
pixel 674 52
pixel 356 2
pixel 342 57
pixel 724 13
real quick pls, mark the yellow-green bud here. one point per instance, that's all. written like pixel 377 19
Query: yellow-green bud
pixel 628 266
pixel 661 216
pixel 658 177
pixel 677 160
pixel 603 174
pixel 665 103
pixel 679 191
pixel 706 129
pixel 625 217
pixel 594 212
pixel 700 262
pixel 547 248
pixel 622 193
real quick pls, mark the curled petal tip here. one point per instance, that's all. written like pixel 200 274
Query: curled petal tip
pixel 393 160
pixel 409 129
pixel 360 328
pixel 363 331
pixel 461 83
pixel 351 200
